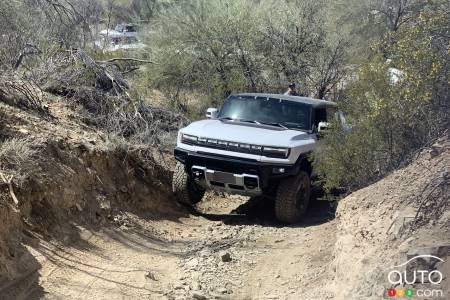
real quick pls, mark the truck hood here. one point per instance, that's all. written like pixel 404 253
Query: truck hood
pixel 244 133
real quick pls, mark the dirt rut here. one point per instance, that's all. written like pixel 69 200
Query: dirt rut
pixel 218 254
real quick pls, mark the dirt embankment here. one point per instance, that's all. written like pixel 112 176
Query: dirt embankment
pixel 384 225
pixel 97 221
pixel 78 177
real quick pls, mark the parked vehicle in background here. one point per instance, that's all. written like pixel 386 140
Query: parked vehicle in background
pixel 121 31
pixel 123 37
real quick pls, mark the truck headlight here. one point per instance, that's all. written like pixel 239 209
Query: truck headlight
pixel 276 152
pixel 188 139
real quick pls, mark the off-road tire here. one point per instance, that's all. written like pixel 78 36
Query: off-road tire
pixel 185 189
pixel 292 198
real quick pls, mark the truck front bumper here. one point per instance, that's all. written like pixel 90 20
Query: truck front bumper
pixel 232 174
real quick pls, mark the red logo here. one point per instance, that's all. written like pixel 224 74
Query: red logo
pixel 391 293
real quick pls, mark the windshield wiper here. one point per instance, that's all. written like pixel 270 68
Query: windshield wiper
pixel 295 126
pixel 249 121
pixel 257 122
pixel 275 124
pixel 226 118
pixel 240 120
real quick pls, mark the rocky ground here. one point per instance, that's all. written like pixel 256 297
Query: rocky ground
pixel 215 255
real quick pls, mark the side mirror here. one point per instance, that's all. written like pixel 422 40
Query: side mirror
pixel 322 128
pixel 211 113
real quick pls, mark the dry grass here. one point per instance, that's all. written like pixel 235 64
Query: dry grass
pixel 103 92
pixel 16 158
pixel 22 93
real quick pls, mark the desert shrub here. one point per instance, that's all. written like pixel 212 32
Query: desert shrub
pixel 16 158
pixel 12 40
pixel 22 93
pixel 143 124
pixel 14 151
pixel 397 105
pixel 100 88
pixel 3 124
pixel 116 142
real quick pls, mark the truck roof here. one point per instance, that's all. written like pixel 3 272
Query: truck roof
pixel 307 100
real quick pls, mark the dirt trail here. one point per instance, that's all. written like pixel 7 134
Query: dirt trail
pixel 217 255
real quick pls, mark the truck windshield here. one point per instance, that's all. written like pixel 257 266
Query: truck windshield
pixel 271 111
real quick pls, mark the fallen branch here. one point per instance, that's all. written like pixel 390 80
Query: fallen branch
pixel 130 70
pixel 125 59
pixel 8 181
pixel 22 93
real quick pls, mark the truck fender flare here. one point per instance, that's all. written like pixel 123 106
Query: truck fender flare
pixel 304 163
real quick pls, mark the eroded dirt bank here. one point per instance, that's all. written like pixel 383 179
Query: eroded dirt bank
pixel 392 221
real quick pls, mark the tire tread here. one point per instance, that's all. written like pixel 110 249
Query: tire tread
pixel 285 200
pixel 183 187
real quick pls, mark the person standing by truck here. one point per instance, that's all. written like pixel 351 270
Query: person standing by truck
pixel 292 90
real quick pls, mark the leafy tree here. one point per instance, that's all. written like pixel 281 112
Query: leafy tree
pixel 219 47
pixel 363 22
pixel 397 105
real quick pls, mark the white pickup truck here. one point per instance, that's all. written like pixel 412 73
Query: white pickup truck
pixel 257 144
pixel 120 32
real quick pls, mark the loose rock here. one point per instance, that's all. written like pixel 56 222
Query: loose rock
pixel 225 256
pixel 198 295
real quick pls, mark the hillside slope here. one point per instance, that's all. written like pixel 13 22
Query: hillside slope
pixel 404 215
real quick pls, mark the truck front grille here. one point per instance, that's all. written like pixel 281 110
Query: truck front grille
pixel 227 181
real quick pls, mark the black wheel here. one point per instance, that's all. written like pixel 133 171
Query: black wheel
pixel 292 198
pixel 185 189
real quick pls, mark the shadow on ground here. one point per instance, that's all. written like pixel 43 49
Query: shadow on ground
pixel 25 285
pixel 260 210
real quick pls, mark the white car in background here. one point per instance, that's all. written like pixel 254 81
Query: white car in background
pixel 123 37
pixel 121 31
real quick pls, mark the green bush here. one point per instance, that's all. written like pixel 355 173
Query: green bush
pixel 397 105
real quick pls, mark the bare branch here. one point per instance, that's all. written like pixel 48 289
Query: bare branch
pixel 8 180
pixel 27 50
pixel 124 59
